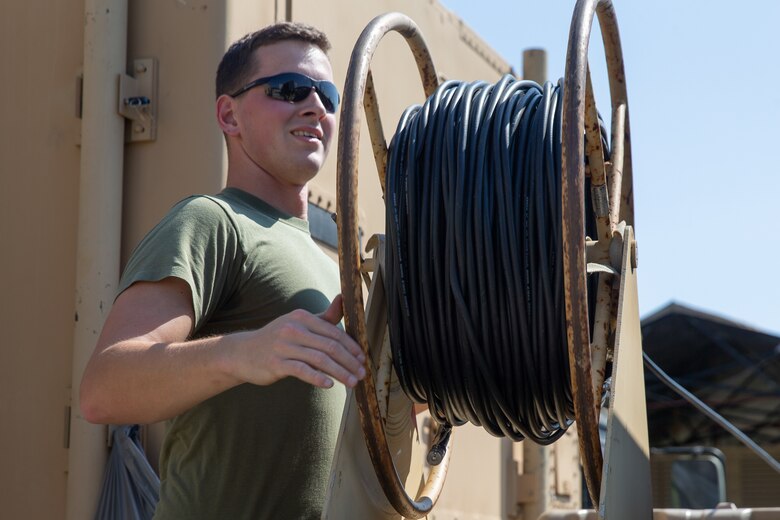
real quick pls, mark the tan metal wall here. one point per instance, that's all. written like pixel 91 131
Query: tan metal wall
pixel 750 481
pixel 41 52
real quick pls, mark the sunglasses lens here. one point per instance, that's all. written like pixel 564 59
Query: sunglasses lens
pixel 329 96
pixel 294 88
pixel 289 91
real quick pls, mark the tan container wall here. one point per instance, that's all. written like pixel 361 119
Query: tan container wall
pixel 41 48
pixel 750 481
pixel 476 479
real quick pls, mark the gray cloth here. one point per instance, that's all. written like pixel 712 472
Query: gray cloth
pixel 130 486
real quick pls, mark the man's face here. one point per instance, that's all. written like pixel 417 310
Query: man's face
pixel 288 141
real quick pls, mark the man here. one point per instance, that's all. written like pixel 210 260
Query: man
pixel 226 321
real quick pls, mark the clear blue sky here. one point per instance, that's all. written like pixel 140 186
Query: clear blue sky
pixel 704 100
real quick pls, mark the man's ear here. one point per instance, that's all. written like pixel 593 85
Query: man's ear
pixel 226 117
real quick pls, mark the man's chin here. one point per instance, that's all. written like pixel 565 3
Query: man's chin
pixel 309 168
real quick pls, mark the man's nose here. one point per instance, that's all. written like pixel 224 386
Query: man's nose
pixel 313 102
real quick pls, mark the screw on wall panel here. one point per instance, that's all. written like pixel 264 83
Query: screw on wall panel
pixel 138 100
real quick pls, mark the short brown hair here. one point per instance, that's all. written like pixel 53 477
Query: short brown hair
pixel 237 63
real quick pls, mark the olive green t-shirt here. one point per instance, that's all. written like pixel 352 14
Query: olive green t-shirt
pixel 251 452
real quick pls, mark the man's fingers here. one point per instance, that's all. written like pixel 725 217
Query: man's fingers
pixel 307 374
pixel 316 367
pixel 323 346
pixel 330 355
pixel 314 349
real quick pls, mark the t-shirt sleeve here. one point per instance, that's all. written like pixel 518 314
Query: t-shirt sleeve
pixel 196 242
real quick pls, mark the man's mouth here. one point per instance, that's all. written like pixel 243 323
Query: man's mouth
pixel 304 133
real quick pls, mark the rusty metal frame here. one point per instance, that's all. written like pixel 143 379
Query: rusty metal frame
pixel 359 88
pixel 596 169
pixel 580 136
pixel 585 373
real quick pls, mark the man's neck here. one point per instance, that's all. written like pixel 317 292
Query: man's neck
pixel 289 199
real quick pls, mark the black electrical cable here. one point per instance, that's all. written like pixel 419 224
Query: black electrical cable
pixel 474 263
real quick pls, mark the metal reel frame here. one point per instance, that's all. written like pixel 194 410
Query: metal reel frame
pixel 612 192
pixel 359 87
pixel 611 186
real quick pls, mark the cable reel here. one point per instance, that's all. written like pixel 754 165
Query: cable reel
pixel 591 334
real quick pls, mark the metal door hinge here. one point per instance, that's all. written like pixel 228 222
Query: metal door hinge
pixel 138 100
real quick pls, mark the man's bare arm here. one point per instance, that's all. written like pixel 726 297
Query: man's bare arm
pixel 145 370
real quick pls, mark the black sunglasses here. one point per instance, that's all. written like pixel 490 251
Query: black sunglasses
pixel 294 87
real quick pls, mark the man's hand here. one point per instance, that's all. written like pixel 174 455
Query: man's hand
pixel 302 345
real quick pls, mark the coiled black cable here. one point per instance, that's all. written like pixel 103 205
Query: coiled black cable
pixel 475 279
